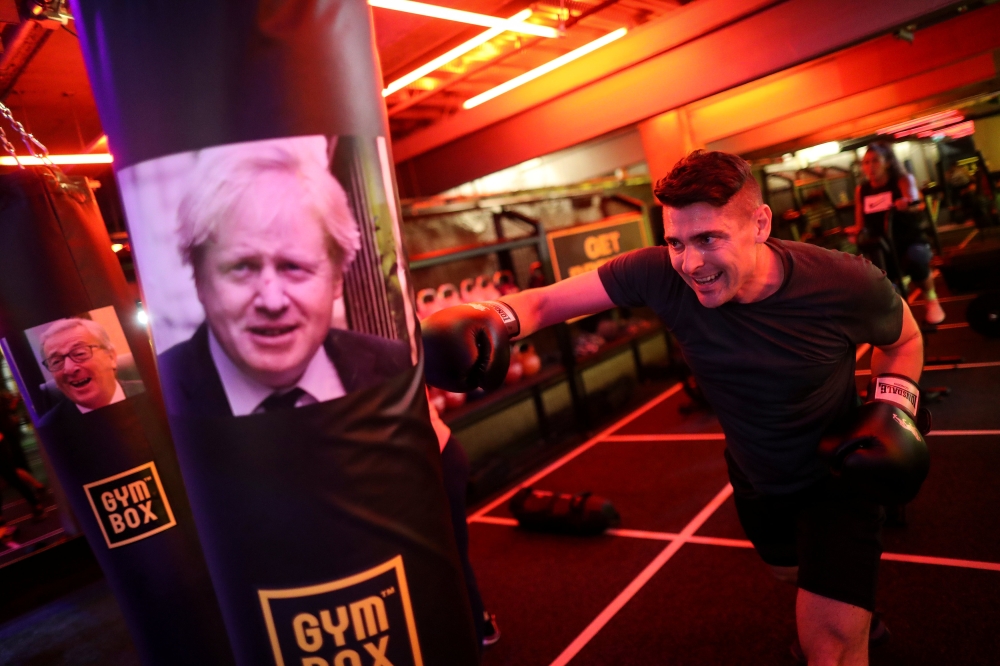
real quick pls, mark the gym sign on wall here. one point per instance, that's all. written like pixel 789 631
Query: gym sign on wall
pixel 130 506
pixel 365 619
pixel 586 247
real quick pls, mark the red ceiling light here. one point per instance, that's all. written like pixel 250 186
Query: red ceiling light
pixel 544 69
pixel 463 16
pixel 453 54
pixel 92 158
pixel 923 124
pixel 952 131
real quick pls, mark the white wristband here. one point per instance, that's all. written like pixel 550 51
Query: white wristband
pixel 897 390
pixel 507 315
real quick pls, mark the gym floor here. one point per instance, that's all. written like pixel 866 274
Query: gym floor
pixel 678 583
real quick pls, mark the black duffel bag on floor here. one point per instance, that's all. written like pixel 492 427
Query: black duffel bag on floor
pixel 562 513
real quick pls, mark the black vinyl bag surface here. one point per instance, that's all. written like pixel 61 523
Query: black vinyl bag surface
pixel 325 525
pixel 56 262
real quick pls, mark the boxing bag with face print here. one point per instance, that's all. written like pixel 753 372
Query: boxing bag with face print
pixel 252 154
pixel 71 333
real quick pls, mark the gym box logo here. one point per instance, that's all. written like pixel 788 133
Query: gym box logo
pixel 361 620
pixel 131 505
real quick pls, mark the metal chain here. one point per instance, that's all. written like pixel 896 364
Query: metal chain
pixel 9 147
pixel 35 147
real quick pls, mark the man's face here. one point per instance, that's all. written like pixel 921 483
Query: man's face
pixel 89 383
pixel 715 249
pixel 268 290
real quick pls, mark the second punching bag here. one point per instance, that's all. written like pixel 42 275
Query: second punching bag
pixel 251 151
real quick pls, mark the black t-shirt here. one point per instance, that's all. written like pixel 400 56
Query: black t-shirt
pixel 779 372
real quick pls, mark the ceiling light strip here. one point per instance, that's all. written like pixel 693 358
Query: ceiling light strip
pixel 955 131
pixel 453 54
pixel 461 16
pixel 94 158
pixel 544 69
pixel 899 127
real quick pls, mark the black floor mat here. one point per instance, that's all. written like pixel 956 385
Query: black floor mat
pixel 709 605
pixel 545 589
pixel 84 627
pixel 963 342
pixel 956 512
pixel 974 401
pixel 938 616
pixel 677 414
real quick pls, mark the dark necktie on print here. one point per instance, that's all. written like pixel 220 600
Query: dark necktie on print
pixel 280 400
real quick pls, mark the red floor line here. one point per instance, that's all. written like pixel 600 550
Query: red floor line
pixel 949 299
pixel 578 450
pixel 862 350
pixel 643 534
pixel 962 366
pixel 719 541
pixel 961 246
pixel 942 561
pixel 494 520
pixel 668 437
pixel 630 591
pixel 950 366
pixel 961 433
pixel 945 327
pixel 716 436
pixel 27 516
pixel 743 543
pixel 913 296
pixel 28 543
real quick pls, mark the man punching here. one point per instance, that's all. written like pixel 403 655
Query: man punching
pixel 770 330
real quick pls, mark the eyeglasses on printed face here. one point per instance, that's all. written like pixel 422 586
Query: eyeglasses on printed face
pixel 79 354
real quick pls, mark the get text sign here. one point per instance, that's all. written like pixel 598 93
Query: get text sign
pixel 584 248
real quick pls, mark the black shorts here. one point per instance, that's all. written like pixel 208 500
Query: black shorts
pixel 834 537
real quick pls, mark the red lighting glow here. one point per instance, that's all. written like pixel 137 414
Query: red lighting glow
pixel 27 160
pixel 952 131
pixel 924 124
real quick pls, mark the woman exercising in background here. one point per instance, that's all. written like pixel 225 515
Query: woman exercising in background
pixel 889 187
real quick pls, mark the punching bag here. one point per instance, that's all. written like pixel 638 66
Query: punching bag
pixel 70 331
pixel 251 151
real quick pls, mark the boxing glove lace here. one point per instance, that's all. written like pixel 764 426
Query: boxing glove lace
pixel 468 346
pixel 883 455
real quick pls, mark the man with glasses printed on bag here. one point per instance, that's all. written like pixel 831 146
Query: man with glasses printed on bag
pixel 79 355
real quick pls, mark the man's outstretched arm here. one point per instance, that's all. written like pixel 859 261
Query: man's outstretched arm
pixel 574 297
pixel 468 346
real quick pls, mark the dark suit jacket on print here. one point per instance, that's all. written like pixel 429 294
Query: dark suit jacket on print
pixel 67 409
pixel 192 387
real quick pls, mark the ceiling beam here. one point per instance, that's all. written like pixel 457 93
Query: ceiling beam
pixel 892 95
pixel 684 57
pixel 26 42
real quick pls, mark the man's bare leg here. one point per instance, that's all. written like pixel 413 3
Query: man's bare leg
pixel 832 633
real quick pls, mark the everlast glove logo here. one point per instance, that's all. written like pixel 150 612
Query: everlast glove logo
pixel 362 620
pixel 130 506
